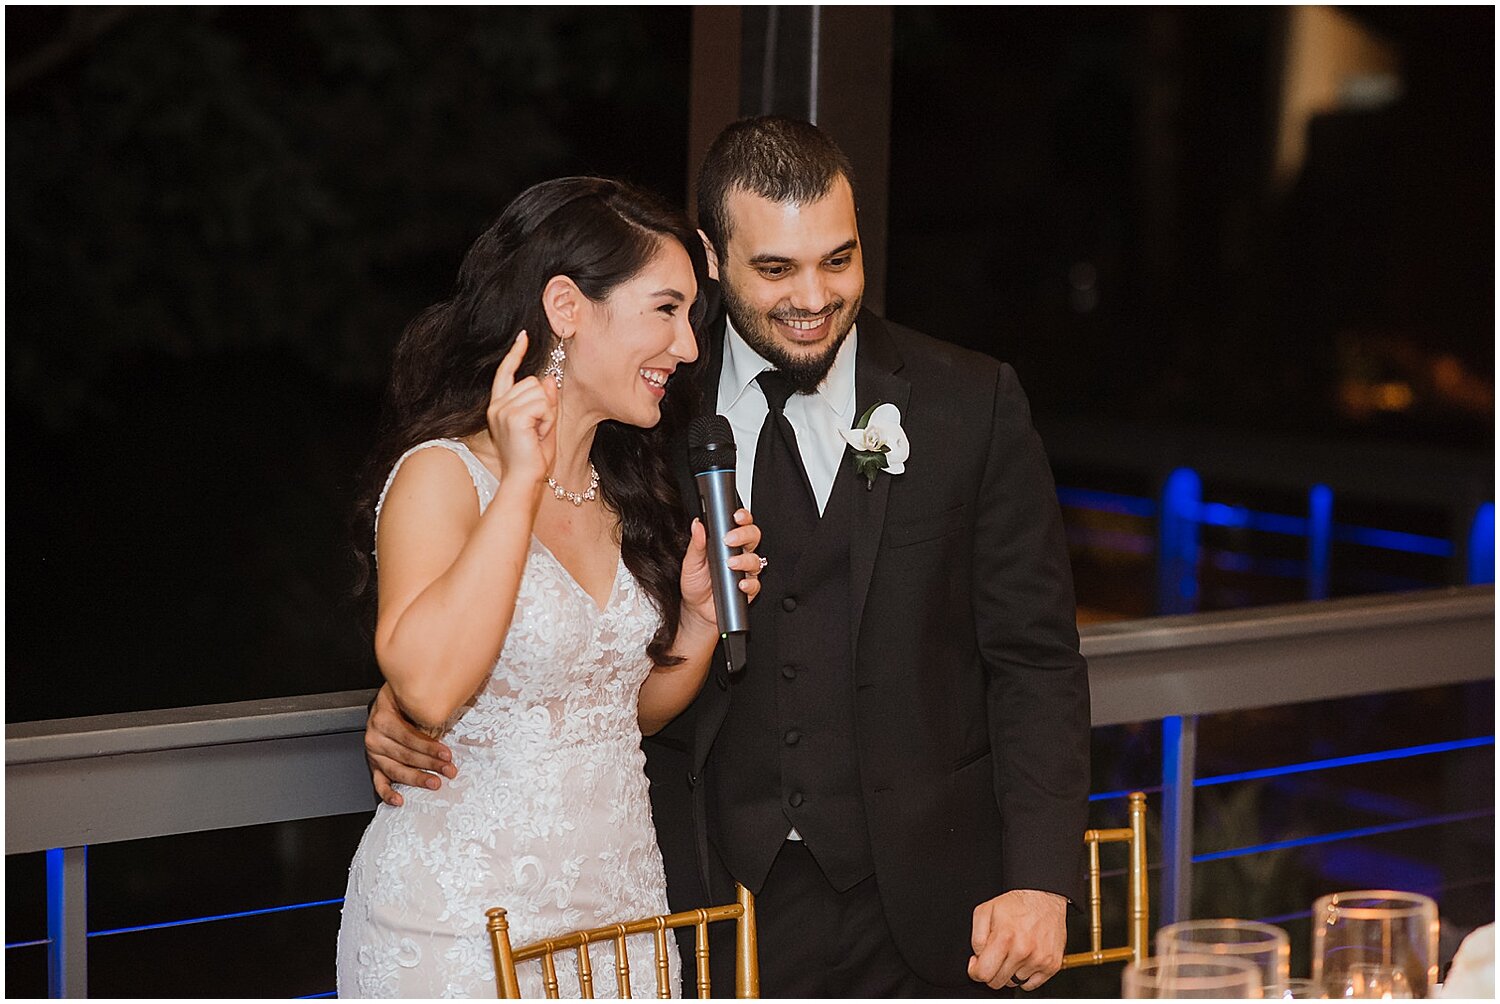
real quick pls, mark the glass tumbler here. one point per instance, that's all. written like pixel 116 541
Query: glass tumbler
pixel 1375 943
pixel 1189 977
pixel 1264 945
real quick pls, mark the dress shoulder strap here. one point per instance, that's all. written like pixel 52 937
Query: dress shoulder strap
pixel 485 483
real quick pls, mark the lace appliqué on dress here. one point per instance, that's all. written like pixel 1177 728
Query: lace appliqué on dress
pixel 549 816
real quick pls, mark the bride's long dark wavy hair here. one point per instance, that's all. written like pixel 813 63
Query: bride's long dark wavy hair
pixel 600 233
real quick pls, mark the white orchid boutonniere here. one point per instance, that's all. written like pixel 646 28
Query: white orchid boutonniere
pixel 879 442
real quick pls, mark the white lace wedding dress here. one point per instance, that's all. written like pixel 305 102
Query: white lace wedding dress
pixel 548 817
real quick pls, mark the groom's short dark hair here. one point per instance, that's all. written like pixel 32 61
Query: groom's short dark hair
pixel 774 157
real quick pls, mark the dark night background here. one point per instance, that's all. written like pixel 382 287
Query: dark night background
pixel 218 221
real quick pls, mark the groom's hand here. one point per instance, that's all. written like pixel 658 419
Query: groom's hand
pixel 1018 934
pixel 399 753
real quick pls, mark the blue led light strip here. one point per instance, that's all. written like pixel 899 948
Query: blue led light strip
pixel 1087 498
pixel 1225 515
pixel 313 997
pixel 1346 761
pixel 1302 768
pixel 206 920
pixel 1105 796
pixel 1282 918
pixel 1329 838
pixel 28 944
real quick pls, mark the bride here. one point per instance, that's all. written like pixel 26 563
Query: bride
pixel 540 601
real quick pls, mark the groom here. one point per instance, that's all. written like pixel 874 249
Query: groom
pixel 900 772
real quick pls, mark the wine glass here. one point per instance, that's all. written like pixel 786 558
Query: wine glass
pixel 1262 944
pixel 1375 943
pixel 1183 977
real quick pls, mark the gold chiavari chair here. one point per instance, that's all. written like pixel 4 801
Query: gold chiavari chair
pixel 747 961
pixel 1137 905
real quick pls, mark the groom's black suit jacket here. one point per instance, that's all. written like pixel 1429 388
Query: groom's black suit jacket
pixel 970 699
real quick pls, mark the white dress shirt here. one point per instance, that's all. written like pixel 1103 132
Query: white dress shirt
pixel 816 418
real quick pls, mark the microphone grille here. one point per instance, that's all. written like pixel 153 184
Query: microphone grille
pixel 710 443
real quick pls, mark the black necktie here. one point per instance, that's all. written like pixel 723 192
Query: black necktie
pixel 783 500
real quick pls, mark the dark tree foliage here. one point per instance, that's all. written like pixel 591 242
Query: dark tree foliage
pixel 218 220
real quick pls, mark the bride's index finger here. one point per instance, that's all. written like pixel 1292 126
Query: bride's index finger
pixel 505 373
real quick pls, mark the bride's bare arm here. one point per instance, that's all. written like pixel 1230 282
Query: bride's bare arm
pixel 449 576
pixel 448 582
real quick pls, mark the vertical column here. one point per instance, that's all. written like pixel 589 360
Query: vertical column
pixel 1179 740
pixel 1319 540
pixel 1177 544
pixel 851 99
pixel 714 99
pixel 67 922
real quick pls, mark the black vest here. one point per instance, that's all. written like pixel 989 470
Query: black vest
pixel 785 755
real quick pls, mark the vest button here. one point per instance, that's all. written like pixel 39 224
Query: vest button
pixel 795 799
pixel 692 779
pixel 790 672
pixel 789 604
pixel 722 681
pixel 792 737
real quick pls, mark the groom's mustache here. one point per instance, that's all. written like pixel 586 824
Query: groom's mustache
pixel 805 315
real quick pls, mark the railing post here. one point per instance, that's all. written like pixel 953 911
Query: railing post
pixel 1319 540
pixel 1177 543
pixel 67 922
pixel 1481 546
pixel 1179 740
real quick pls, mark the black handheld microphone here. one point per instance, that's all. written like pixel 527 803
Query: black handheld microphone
pixel 711 458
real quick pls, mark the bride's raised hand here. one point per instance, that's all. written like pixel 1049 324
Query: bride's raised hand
pixel 522 417
pixel 697 583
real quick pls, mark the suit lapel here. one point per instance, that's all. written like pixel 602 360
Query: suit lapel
pixel 875 382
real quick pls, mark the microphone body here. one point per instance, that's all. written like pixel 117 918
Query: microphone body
pixel 711 453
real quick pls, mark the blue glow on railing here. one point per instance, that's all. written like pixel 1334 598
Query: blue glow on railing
pixel 1282 918
pixel 1482 546
pixel 1221 514
pixel 28 944
pixel 1169 738
pixel 1105 796
pixel 209 920
pixel 1087 498
pixel 1394 540
pixel 1239 517
pixel 313 997
pixel 1319 540
pixel 1346 761
pixel 1177 532
pixel 1329 838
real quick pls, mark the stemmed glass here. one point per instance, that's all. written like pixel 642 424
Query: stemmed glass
pixel 1182 977
pixel 1264 945
pixel 1375 943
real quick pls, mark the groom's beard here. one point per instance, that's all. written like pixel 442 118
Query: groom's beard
pixel 804 371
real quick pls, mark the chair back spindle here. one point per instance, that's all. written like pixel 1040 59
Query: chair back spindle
pixel 1137 905
pixel 747 961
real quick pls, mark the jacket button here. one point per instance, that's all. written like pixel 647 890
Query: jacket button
pixel 789 604
pixel 789 672
pixel 692 779
pixel 792 737
pixel 795 799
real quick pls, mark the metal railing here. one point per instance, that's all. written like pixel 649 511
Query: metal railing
pixel 75 782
